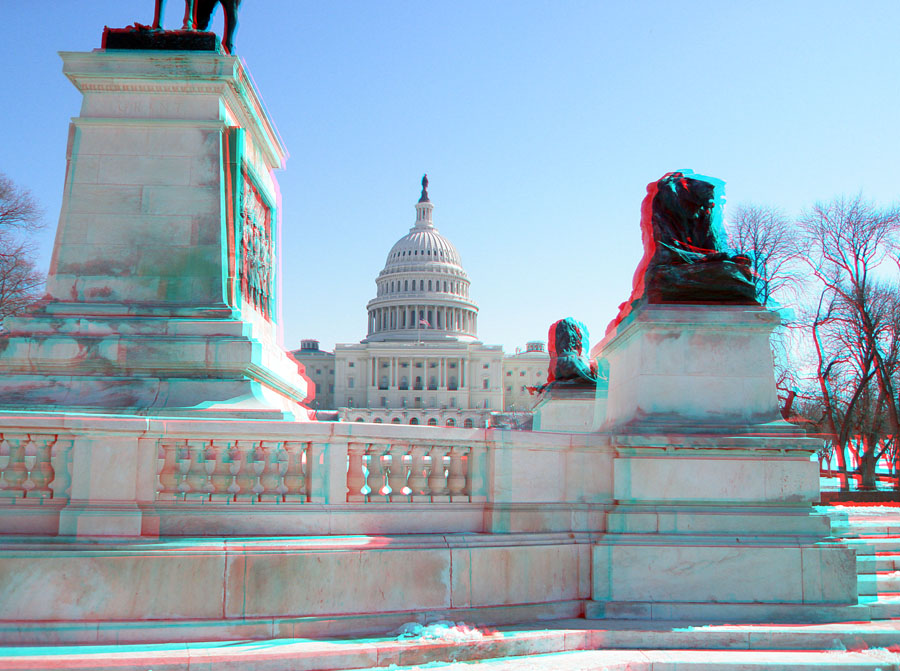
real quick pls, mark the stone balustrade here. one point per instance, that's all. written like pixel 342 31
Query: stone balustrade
pixel 131 476
pixel 222 471
pixel 29 463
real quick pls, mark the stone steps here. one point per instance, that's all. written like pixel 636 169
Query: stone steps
pixel 680 660
pixel 879 583
pixel 875 535
pixel 563 644
pixel 877 563
pixel 871 545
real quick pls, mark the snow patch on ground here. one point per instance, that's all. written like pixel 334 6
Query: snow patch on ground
pixel 442 630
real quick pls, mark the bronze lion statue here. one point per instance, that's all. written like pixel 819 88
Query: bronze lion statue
pixel 569 365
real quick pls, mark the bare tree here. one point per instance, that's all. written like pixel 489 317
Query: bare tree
pixel 18 208
pixel 20 283
pixel 847 242
pixel 767 236
pixel 769 239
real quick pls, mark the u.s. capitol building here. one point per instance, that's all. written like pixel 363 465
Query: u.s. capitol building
pixel 421 361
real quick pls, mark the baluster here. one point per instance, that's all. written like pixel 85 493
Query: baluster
pixel 270 476
pixel 399 472
pixel 234 458
pixel 42 473
pixel 208 460
pixel 257 466
pixel 294 478
pixel 15 470
pixel 30 460
pixel 161 493
pixel 61 465
pixel 418 476
pixel 197 471
pixel 183 459
pixel 247 475
pixel 356 473
pixel 438 478
pixel 456 481
pixel 282 461
pixel 375 474
pixel 5 453
pixel 221 474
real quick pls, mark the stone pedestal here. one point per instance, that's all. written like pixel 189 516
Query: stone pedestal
pixel 713 491
pixel 567 409
pixel 690 367
pixel 162 296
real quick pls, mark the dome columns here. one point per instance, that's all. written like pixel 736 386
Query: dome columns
pixel 400 320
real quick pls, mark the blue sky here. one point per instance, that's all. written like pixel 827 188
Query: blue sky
pixel 539 123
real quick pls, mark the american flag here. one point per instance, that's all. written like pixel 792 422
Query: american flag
pixel 424 322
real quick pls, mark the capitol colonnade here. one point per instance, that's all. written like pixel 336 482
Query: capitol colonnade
pixel 413 317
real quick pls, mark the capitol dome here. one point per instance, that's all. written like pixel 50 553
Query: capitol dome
pixel 423 291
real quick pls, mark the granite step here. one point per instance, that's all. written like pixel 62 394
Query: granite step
pixel 552 645
pixel 875 563
pixel 879 583
pixel 681 660
pixel 869 545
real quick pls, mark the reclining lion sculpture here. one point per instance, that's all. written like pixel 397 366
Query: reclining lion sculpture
pixel 686 255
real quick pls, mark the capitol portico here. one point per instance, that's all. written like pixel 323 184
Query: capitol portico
pixel 421 361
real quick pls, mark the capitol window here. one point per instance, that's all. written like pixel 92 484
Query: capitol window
pixel 468 424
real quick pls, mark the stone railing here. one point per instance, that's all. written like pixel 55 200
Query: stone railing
pixel 29 466
pixel 145 476
pixel 245 470
pixel 409 473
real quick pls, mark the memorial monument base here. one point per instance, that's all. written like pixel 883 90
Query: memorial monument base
pixel 137 360
pixel 163 292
